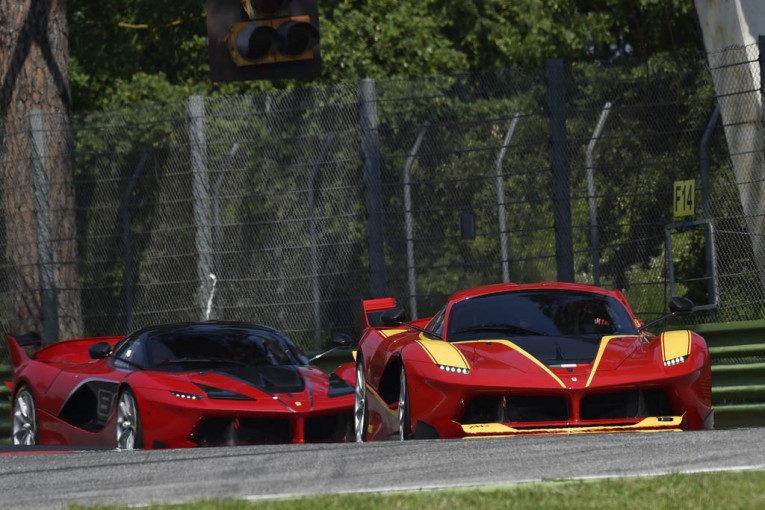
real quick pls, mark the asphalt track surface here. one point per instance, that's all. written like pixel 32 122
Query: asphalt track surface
pixel 49 478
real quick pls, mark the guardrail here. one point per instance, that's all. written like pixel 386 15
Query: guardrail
pixel 737 350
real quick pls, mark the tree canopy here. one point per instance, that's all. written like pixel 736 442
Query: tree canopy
pixel 131 50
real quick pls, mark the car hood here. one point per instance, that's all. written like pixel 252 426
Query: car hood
pixel 252 382
pixel 269 379
pixel 552 351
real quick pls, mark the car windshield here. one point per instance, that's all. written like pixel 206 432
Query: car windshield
pixel 196 347
pixel 538 313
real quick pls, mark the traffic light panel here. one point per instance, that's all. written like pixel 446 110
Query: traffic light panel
pixel 263 39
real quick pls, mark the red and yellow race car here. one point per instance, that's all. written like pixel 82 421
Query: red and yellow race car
pixel 508 359
pixel 177 385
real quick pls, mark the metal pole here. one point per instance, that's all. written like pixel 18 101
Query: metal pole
pixel 49 297
pixel 500 182
pixel 704 161
pixel 590 167
pixel 408 221
pixel 370 146
pixel 556 104
pixel 313 198
pixel 201 193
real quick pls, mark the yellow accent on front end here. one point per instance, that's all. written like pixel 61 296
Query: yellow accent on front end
pixel 385 333
pixel 444 353
pixel 488 428
pixel 675 344
pixel 603 343
pixel 651 424
pixel 598 356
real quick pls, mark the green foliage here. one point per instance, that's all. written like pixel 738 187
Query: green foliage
pixel 380 38
pixel 134 50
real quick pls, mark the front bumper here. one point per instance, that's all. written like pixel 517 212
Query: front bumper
pixel 652 424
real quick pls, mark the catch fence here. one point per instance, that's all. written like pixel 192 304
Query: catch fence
pixel 289 207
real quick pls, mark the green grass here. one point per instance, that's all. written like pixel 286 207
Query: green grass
pixel 718 491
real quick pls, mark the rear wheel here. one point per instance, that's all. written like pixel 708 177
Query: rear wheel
pixel 24 431
pixel 360 407
pixel 129 434
pixel 404 412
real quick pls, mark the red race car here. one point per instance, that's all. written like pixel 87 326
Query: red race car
pixel 179 385
pixel 508 359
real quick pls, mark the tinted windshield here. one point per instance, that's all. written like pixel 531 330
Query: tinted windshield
pixel 192 347
pixel 558 313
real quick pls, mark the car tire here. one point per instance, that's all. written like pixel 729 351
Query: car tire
pixel 25 428
pixel 129 432
pixel 360 404
pixel 404 410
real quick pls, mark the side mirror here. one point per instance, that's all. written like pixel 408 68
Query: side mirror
pixel 681 305
pixel 100 350
pixel 341 340
pixel 392 316
pixel 677 306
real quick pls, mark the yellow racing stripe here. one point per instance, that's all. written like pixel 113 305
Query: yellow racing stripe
pixel 514 347
pixel 675 344
pixel 385 333
pixel 443 353
pixel 603 343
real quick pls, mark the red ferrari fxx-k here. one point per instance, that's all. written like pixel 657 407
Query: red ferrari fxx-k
pixel 508 359
pixel 179 385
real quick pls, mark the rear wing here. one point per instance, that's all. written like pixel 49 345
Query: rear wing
pixel 16 345
pixel 372 308
pixel 31 339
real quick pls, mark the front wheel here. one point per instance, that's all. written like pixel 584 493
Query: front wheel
pixel 360 407
pixel 404 411
pixel 129 434
pixel 24 431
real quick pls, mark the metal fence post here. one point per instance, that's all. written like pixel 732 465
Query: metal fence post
pixel 49 297
pixel 200 190
pixel 409 221
pixel 370 146
pixel 556 104
pixel 500 184
pixel 590 168
pixel 761 60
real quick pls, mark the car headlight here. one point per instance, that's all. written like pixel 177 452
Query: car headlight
pixel 187 396
pixel 456 370
pixel 675 361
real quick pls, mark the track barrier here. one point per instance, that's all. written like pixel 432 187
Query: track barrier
pixel 737 350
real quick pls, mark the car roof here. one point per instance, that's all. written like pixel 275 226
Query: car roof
pixel 208 324
pixel 511 287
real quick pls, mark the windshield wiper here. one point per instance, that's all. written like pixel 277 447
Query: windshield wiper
pixel 505 328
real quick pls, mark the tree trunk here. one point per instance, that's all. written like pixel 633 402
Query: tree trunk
pixel 38 192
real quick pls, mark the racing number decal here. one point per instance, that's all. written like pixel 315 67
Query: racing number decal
pixel 684 192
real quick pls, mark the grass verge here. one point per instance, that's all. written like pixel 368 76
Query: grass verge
pixel 722 490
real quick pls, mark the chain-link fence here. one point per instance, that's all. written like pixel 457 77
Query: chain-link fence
pixel 287 208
